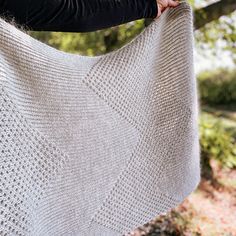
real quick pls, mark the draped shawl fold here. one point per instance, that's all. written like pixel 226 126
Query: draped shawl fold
pixel 97 145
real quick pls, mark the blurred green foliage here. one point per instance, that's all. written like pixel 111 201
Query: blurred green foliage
pixel 218 34
pixel 218 86
pixel 91 43
pixel 216 142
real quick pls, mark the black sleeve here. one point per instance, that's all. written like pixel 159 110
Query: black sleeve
pixel 77 15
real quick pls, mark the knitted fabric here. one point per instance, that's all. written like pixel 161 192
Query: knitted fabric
pixel 97 145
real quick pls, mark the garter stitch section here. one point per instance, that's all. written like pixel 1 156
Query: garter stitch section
pixel 97 146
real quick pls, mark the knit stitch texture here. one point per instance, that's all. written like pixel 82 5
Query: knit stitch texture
pixel 97 145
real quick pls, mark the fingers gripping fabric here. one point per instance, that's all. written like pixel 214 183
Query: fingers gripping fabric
pixel 97 145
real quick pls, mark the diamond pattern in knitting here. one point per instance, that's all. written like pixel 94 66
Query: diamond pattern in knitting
pixel 123 211
pixel 127 121
pixel 24 178
pixel 156 110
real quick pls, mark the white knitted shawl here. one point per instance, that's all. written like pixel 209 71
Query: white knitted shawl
pixel 97 145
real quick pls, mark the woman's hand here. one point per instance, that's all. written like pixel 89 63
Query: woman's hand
pixel 163 4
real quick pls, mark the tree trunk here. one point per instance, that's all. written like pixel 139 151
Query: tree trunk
pixel 213 12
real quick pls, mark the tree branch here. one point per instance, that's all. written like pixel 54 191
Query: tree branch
pixel 213 12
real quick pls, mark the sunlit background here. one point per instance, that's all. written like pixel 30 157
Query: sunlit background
pixel 211 209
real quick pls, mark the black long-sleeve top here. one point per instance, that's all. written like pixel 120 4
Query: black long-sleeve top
pixel 76 15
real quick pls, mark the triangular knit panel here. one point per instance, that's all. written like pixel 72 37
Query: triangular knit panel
pixel 97 146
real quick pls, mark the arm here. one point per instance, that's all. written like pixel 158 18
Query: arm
pixel 77 15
